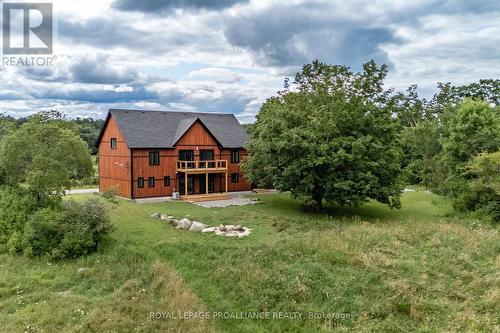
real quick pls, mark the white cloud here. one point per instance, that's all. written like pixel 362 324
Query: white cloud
pixel 219 75
pixel 220 57
pixel 457 48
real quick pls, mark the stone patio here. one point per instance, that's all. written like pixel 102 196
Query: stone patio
pixel 234 201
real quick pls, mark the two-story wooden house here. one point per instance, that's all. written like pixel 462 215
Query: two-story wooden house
pixel 154 153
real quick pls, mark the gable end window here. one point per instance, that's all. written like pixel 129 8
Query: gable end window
pixel 166 181
pixel 235 156
pixel 140 182
pixel 151 182
pixel 113 143
pixel 235 178
pixel 154 157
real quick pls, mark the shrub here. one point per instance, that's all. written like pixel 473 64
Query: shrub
pixel 14 243
pixel 483 189
pixel 16 206
pixel 68 230
pixel 85 226
pixel 110 193
pixel 42 233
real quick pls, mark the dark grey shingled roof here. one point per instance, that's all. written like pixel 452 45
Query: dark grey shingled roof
pixel 162 129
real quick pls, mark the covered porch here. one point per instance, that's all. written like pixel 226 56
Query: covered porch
pixel 202 180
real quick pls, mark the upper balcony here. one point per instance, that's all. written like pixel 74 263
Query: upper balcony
pixel 202 166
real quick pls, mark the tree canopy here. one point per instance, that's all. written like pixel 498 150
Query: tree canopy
pixel 332 138
pixel 7 126
pixel 44 155
pixel 472 127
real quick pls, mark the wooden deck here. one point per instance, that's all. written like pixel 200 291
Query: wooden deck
pixel 191 167
pixel 205 197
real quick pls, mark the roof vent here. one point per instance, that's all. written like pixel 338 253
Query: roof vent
pixel 143 111
pixel 185 114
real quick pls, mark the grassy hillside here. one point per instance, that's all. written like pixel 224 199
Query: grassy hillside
pixel 371 269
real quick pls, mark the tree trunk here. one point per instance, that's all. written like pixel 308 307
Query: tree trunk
pixel 318 198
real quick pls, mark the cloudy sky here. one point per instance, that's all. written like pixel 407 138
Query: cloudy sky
pixel 229 56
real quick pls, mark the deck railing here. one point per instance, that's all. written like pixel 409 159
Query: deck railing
pixel 186 166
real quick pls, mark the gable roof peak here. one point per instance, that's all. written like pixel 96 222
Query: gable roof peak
pixel 162 129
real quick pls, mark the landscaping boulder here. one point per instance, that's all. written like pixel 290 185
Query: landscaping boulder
pixel 168 218
pixel 184 224
pixel 233 227
pixel 155 215
pixel 219 232
pixel 197 226
pixel 245 233
pixel 209 229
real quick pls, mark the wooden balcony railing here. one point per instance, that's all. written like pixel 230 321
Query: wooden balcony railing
pixel 201 166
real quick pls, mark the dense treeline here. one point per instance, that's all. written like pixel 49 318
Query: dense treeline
pixel 452 143
pixel 87 128
pixel 338 136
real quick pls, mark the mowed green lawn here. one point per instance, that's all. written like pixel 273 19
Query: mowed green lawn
pixel 369 269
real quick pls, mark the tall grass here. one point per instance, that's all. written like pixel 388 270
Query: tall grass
pixel 415 269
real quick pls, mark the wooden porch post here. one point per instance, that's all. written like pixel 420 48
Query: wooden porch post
pixel 206 182
pixel 226 182
pixel 186 183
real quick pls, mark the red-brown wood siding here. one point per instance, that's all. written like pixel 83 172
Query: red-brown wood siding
pixel 197 135
pixel 167 165
pixel 114 164
pixel 242 184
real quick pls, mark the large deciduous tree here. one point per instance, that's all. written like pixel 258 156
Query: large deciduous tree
pixel 330 138
pixel 471 128
pixel 44 154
